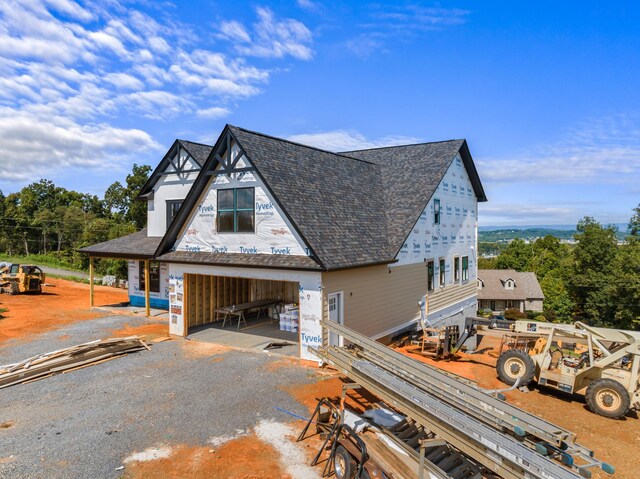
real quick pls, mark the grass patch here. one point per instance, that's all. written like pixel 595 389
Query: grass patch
pixel 75 279
pixel 41 260
pixel 3 310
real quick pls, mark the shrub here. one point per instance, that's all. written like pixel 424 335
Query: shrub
pixel 514 314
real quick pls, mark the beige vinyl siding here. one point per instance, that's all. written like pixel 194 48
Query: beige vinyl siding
pixel 451 294
pixel 376 300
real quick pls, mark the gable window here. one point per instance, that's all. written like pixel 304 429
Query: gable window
pixel 456 269
pixel 430 275
pixel 442 272
pixel 154 277
pixel 236 210
pixel 465 268
pixel 436 212
pixel 172 210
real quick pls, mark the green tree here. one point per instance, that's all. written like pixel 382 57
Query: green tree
pixel 137 212
pixel 516 256
pixel 634 224
pixel 556 298
pixel 593 282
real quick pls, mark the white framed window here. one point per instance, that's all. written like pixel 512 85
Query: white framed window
pixel 436 211
pixel 431 278
pixel 456 269
pixel 443 272
pixel 465 268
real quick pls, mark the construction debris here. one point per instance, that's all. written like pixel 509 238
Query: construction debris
pixel 496 435
pixel 65 360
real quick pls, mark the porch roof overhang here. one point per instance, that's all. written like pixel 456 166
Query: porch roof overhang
pixel 134 246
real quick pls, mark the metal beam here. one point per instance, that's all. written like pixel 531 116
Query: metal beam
pixel 450 387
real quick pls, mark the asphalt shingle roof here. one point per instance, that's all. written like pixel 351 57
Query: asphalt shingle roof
pixel 527 286
pixel 409 175
pixel 198 151
pixel 333 200
pixel 352 209
pixel 136 245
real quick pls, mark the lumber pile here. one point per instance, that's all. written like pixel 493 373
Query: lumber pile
pixel 65 360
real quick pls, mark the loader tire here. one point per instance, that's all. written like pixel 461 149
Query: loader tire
pixel 514 364
pixel 15 288
pixel 608 398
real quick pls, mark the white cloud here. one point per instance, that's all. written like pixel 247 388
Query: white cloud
pixel 309 5
pixel 213 113
pixel 33 147
pixel 606 149
pixel 347 140
pixel 383 25
pixel 69 68
pixel 234 30
pixel 124 81
pixel 271 37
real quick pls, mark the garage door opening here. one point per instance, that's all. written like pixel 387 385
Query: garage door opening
pixel 243 312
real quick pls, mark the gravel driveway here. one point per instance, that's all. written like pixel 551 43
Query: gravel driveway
pixel 85 423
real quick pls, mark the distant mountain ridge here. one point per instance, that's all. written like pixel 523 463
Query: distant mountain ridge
pixel 621 227
pixel 500 234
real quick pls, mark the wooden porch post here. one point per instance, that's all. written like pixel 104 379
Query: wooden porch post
pixel 147 300
pixel 91 273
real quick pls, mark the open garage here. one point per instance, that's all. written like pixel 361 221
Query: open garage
pixel 214 305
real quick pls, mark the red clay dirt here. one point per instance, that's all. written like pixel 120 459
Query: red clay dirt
pixel 62 303
pixel 243 458
pixel 149 331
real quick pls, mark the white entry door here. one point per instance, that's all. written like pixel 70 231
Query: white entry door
pixel 335 314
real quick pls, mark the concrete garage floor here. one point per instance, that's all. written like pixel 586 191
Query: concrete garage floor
pixel 257 334
pixel 87 422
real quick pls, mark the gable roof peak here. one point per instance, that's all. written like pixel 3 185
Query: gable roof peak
pixel 424 143
pixel 284 140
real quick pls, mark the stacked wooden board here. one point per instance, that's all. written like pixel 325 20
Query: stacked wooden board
pixel 64 360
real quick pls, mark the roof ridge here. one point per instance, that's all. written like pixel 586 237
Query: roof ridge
pixel 400 146
pixel 195 142
pixel 341 155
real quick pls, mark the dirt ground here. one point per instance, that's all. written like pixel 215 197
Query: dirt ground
pixel 243 458
pixel 61 303
pixel 250 456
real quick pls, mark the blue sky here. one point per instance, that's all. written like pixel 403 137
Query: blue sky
pixel 546 93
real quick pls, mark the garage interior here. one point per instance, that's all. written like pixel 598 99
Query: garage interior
pixel 206 295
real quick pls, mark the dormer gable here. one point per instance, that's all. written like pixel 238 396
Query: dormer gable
pixel 509 284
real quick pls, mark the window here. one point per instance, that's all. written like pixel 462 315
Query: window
pixel 154 277
pixel 430 275
pixel 436 212
pixel 465 268
pixel 236 210
pixel 456 269
pixel 442 272
pixel 172 210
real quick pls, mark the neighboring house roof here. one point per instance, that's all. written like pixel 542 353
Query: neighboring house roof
pixel 198 151
pixel 136 245
pixel 351 209
pixel 527 286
